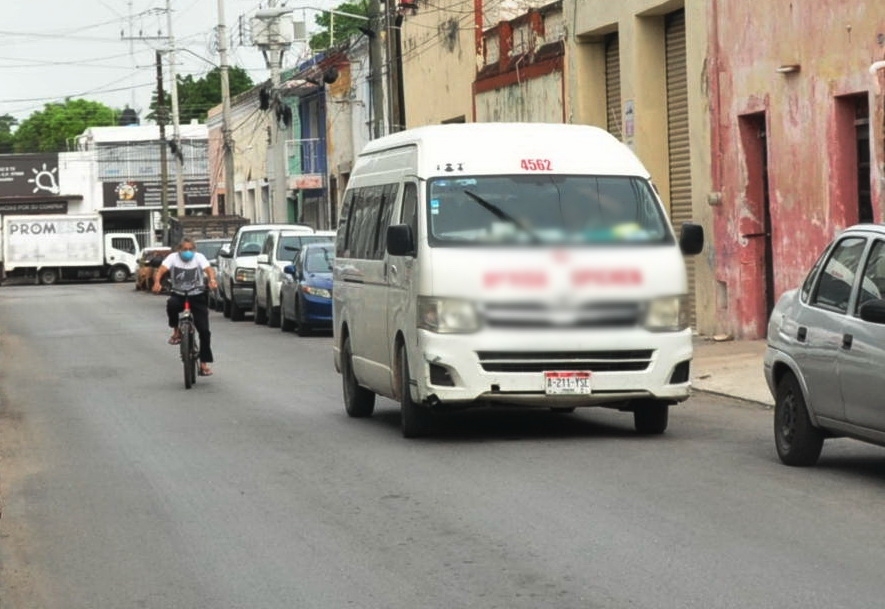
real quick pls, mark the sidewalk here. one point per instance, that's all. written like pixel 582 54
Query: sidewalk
pixel 731 368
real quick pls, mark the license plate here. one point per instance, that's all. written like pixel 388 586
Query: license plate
pixel 567 383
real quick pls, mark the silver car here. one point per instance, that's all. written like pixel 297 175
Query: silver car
pixel 825 361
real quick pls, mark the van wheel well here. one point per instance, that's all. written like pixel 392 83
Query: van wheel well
pixel 398 344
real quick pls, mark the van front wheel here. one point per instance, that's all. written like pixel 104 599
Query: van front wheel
pixel 416 420
pixel 359 402
pixel 650 417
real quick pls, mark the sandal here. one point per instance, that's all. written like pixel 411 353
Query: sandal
pixel 175 340
pixel 205 371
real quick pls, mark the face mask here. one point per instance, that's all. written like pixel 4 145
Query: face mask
pixel 186 255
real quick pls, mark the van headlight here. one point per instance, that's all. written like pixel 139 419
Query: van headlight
pixel 667 314
pixel 447 315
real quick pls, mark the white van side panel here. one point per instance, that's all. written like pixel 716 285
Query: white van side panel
pixel 363 285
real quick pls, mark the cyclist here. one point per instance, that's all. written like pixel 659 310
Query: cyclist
pixel 188 270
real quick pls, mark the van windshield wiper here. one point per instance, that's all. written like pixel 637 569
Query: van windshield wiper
pixel 503 215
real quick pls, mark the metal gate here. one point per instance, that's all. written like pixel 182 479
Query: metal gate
pixel 678 138
pixel 613 85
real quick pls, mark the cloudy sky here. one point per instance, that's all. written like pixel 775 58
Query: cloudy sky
pixel 52 49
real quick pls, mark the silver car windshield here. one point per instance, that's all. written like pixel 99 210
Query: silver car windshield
pixel 541 210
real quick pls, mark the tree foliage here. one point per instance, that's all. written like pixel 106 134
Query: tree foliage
pixel 48 130
pixel 197 95
pixel 345 27
pixel 7 139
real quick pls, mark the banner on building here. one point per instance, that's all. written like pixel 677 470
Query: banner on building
pixel 28 175
pixel 138 193
pixel 33 207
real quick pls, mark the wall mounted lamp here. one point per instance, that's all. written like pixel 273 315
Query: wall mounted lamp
pixel 790 68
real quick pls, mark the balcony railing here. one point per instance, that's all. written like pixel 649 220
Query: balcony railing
pixel 306 156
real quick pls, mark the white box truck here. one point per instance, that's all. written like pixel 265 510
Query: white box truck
pixel 53 247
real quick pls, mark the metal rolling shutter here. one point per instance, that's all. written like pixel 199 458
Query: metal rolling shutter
pixel 613 85
pixel 678 137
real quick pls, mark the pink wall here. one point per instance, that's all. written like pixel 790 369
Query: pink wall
pixel 810 141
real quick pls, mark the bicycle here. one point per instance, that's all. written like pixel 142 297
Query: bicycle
pixel 189 346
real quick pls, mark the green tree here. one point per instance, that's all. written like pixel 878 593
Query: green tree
pixel 49 129
pixel 7 138
pixel 345 27
pixel 197 95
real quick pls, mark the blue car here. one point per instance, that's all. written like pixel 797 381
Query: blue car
pixel 306 292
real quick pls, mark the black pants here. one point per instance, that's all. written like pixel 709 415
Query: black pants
pixel 200 310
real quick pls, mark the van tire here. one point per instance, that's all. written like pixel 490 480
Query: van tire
pixel 259 314
pixel 359 402
pixel 225 306
pixel 650 417
pixel 286 324
pixel 416 420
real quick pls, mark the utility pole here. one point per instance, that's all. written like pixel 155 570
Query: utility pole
pixel 176 131
pixel 376 76
pixel 273 42
pixel 228 143
pixel 164 174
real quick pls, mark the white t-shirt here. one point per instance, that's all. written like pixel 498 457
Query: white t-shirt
pixel 186 276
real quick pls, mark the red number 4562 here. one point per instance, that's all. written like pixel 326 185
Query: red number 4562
pixel 536 165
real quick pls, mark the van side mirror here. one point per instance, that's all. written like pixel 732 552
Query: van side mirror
pixel 224 252
pixel 691 239
pixel 873 311
pixel 262 259
pixel 400 241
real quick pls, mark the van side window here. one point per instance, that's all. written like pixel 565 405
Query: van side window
pixel 388 202
pixel 410 208
pixel 365 220
pixel 344 226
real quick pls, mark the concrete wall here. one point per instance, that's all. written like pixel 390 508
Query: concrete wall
pixel 810 139
pixel 440 55
pixel 640 27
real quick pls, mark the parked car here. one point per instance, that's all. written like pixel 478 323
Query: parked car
pixel 306 291
pixel 236 266
pixel 825 355
pixel 280 248
pixel 144 275
pixel 210 249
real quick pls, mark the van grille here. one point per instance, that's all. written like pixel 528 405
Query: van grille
pixel 542 361
pixel 539 315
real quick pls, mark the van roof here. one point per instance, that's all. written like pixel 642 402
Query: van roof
pixel 496 146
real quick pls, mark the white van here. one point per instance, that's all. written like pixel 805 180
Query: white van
pixel 519 264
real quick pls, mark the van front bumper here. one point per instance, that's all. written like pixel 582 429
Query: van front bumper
pixel 509 367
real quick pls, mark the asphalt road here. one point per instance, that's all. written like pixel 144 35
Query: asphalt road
pixel 254 490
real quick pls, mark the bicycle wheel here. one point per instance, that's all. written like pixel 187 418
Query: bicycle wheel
pixel 187 355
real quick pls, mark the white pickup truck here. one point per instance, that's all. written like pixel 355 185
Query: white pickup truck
pixel 236 267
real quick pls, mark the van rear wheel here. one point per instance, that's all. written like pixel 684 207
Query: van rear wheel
pixel 359 402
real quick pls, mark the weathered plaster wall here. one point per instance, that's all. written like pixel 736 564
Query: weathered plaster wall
pixel 640 27
pixel 535 100
pixel 812 191
pixel 439 49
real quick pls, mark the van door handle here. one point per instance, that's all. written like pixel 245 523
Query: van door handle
pixel 847 341
pixel 393 271
pixel 802 333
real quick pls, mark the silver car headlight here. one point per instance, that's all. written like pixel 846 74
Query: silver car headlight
pixel 447 315
pixel 243 275
pixel 667 314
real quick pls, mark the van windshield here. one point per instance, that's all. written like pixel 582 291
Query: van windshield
pixel 543 209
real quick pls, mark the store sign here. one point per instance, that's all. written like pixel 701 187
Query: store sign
pixel 306 182
pixel 28 175
pixel 137 193
pixel 33 207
